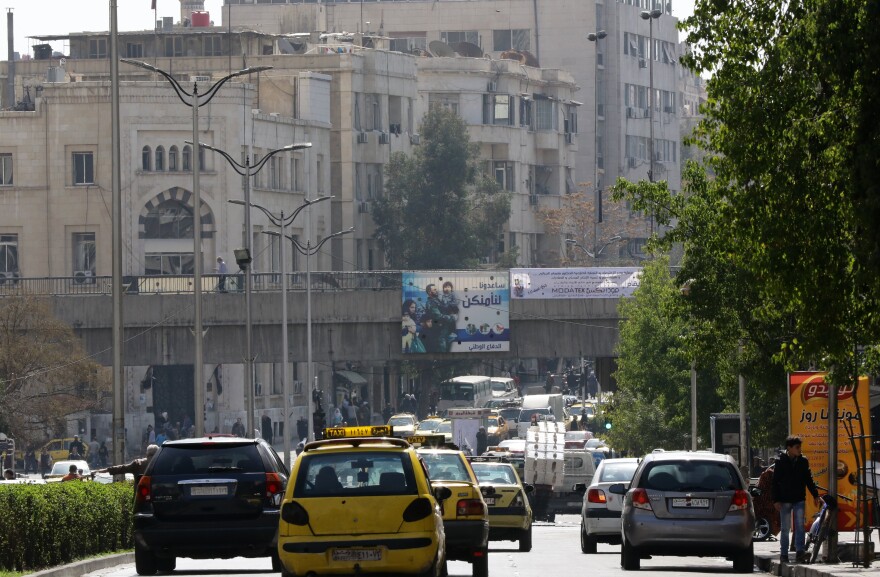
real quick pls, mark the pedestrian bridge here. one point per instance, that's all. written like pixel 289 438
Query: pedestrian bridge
pixel 355 317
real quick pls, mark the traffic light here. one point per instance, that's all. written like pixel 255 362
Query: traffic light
pixel 608 424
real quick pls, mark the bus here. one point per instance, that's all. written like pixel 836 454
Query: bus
pixel 469 391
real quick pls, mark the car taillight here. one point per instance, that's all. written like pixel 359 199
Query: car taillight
pixel 142 494
pixel 740 501
pixel 295 514
pixel 640 500
pixel 470 507
pixel 274 485
pixel 596 496
pixel 418 509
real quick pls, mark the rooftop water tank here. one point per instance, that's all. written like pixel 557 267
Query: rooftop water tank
pixel 201 19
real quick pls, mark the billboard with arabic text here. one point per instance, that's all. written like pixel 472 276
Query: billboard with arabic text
pixel 455 312
pixel 574 283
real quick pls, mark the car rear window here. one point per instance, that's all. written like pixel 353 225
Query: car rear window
pixel 494 473
pixel 201 459
pixel 679 476
pixel 617 472
pixel 446 467
pixel 355 474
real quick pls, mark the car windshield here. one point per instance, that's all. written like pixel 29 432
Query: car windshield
pixel 213 458
pixel 444 427
pixel 500 387
pixel 617 472
pixel 446 467
pixel 362 473
pixel 401 421
pixel 493 421
pixel 510 413
pixel 489 473
pixel 525 415
pixel 681 476
pixel 427 426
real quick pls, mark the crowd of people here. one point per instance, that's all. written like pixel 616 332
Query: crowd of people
pixel 432 328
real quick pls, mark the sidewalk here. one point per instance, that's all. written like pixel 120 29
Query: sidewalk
pixel 767 560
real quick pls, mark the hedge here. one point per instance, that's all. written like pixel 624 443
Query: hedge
pixel 53 524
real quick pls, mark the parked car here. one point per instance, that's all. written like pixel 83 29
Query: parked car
pixel 686 503
pixel 208 497
pixel 61 468
pixel 600 513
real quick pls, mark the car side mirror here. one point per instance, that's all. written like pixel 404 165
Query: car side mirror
pixel 755 491
pixel 617 489
pixel 528 488
pixel 442 493
pixel 579 488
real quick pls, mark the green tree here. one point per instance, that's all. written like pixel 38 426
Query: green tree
pixel 45 374
pixel 439 211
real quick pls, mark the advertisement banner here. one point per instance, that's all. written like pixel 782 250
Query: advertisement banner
pixel 574 283
pixel 455 312
pixel 808 419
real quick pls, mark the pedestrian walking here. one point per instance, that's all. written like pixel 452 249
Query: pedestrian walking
pixel 238 428
pixel 222 270
pixel 45 461
pixel 791 480
pixel 266 422
pixel 482 441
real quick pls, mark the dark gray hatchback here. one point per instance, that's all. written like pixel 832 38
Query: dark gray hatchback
pixel 211 497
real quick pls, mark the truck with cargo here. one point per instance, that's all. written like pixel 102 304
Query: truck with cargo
pixel 543 405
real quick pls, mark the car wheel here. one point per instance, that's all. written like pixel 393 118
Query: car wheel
pixel 588 544
pixel 762 529
pixel 744 561
pixel 144 561
pixel 166 564
pixel 629 557
pixel 481 565
pixel 525 540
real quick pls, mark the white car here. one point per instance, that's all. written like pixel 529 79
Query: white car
pixel 61 468
pixel 403 425
pixel 600 512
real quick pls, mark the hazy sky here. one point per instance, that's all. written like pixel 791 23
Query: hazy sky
pixel 48 17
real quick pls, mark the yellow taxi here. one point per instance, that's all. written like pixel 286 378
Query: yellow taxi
pixel 510 515
pixel 360 502
pixel 465 517
pixel 498 429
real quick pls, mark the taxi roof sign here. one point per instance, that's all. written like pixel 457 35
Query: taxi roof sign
pixel 432 440
pixel 350 432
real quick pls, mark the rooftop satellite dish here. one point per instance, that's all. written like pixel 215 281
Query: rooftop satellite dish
pixel 469 50
pixel 440 48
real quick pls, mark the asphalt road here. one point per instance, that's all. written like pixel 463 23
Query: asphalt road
pixel 556 551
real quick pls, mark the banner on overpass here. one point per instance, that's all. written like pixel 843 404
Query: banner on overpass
pixel 455 312
pixel 574 283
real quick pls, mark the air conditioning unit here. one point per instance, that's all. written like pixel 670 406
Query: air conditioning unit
pixel 569 138
pixel 533 199
pixel 200 79
pixel 364 207
pixel 415 139
pixel 362 138
pixel 492 86
pixel 83 277
pixel 632 161
pixel 384 138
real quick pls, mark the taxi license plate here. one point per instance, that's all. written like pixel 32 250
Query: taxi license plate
pixel 210 490
pixel 357 555
pixel 489 500
pixel 691 503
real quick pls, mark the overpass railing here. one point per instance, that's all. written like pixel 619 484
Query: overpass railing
pixel 182 284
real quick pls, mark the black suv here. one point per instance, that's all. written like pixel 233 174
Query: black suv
pixel 212 497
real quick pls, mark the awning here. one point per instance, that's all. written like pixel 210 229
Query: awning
pixel 352 377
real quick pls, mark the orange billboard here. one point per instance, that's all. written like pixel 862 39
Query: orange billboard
pixel 808 419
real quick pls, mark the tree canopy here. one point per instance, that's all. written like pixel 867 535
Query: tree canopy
pixel 45 374
pixel 439 211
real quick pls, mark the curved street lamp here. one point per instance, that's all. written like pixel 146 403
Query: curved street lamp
pixel 195 101
pixel 650 16
pixel 246 170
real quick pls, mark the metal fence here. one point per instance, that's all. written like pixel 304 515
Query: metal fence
pixel 182 284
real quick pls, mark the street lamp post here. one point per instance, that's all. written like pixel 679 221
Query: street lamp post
pixel 650 17
pixel 195 101
pixel 685 290
pixel 281 220
pixel 597 217
pixel 247 170
pixel 596 252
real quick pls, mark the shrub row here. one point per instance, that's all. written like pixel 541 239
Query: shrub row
pixel 52 524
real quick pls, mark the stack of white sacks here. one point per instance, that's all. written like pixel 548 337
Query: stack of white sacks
pixel 545 455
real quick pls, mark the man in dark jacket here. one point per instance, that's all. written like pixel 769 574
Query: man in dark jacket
pixel 791 480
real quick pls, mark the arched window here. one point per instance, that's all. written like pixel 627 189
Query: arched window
pixel 160 158
pixel 187 158
pixel 171 219
pixel 172 159
pixel 146 158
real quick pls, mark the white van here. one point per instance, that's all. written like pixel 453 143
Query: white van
pixel 502 387
pixel 547 407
